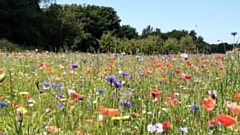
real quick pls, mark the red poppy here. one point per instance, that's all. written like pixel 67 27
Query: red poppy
pixel 168 66
pixel 41 65
pixel 209 103
pixel 226 120
pixel 218 57
pixel 155 93
pixel 213 121
pixel 159 65
pixel 188 63
pixel 237 96
pixel 177 71
pixel 166 125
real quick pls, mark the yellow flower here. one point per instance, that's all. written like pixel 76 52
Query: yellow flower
pixel 43 95
pixel 23 93
pixel 63 99
pixel 22 110
pixel 121 118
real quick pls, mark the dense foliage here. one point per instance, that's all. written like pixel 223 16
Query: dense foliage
pixel 89 28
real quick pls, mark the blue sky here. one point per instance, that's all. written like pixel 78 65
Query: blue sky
pixel 212 19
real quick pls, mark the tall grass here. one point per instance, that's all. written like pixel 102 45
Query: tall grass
pixel 23 75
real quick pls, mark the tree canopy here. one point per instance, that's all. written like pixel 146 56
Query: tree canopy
pixel 90 28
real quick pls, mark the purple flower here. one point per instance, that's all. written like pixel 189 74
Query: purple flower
pixel 100 91
pixel 131 76
pixel 151 128
pixel 89 106
pixel 117 84
pixel 155 128
pixel 58 88
pixel 73 66
pixel 111 79
pixel 123 74
pixel 184 129
pixel 195 108
pixel 46 85
pixel 60 96
pixel 211 127
pixel 234 33
pixel 2 104
pixel 61 105
pixel 127 104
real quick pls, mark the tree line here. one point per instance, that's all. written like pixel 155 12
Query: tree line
pixel 90 28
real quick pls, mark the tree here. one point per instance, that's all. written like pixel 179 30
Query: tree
pixel 171 45
pixel 186 43
pixel 126 31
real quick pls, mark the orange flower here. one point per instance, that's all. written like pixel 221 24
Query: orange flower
pixel 226 120
pixel 209 103
pixel 89 120
pixel 237 96
pixel 136 115
pixel 206 69
pixel 111 59
pixel 166 125
pixel 79 132
pixel 53 129
pixel 71 102
pixel 2 70
pixel 234 108
pixel 108 111
pixel 57 79
pixel 238 127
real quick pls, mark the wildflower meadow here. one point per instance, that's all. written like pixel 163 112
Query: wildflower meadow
pixel 45 93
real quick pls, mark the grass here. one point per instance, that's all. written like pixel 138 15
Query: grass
pixel 83 115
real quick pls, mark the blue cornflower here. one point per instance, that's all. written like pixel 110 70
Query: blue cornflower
pixel 59 84
pixel 100 91
pixel 58 88
pixel 195 108
pixel 89 106
pixel 80 98
pixel 80 85
pixel 60 96
pixel 234 33
pixel 61 105
pixel 2 104
pixel 123 74
pixel 111 79
pixel 73 66
pixel 46 85
pixel 131 76
pixel 127 104
pixel 116 55
pixel 117 84
pixel 169 72
pixel 166 87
